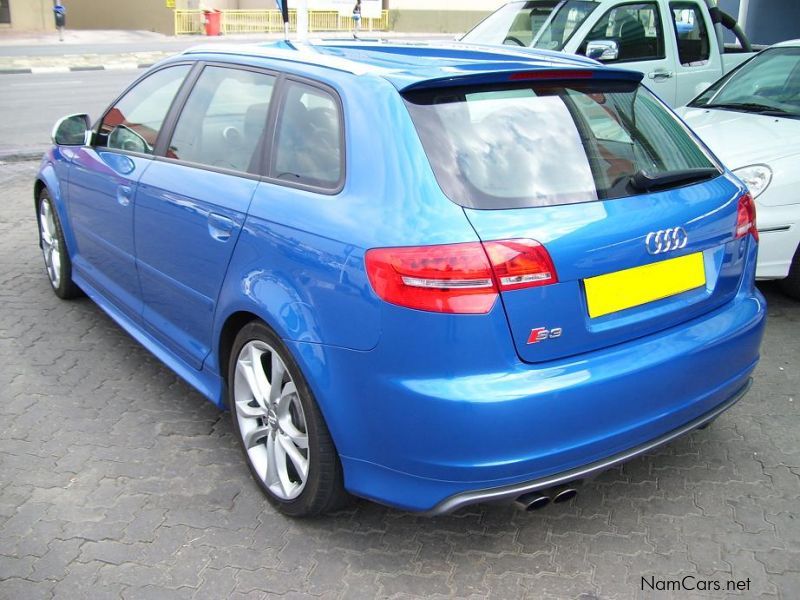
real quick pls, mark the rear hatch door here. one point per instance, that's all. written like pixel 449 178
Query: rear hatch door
pixel 637 216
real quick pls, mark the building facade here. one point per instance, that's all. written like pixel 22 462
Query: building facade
pixel 157 15
pixel 27 15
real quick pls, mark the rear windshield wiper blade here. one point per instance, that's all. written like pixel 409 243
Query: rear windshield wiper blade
pixel 753 107
pixel 645 182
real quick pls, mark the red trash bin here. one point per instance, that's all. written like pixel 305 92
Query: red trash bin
pixel 213 22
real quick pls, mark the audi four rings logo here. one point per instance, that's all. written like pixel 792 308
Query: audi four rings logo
pixel 666 240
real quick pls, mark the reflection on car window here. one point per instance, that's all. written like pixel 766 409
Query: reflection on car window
pixel 636 29
pixel 308 147
pixel 691 34
pixel 550 143
pixel 142 111
pixel 224 119
pixel 565 21
pixel 530 23
pixel 768 82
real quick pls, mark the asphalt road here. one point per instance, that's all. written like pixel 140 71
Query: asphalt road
pixel 31 104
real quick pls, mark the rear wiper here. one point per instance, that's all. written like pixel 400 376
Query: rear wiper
pixel 753 107
pixel 645 182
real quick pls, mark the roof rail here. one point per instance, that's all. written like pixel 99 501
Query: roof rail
pixel 298 52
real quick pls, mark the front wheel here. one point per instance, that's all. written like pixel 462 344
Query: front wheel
pixel 791 285
pixel 54 249
pixel 284 438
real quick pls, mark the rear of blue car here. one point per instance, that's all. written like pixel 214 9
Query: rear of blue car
pixel 605 304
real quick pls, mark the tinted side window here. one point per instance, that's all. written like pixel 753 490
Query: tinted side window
pixel 134 121
pixel 224 119
pixel 308 147
pixel 636 28
pixel 691 33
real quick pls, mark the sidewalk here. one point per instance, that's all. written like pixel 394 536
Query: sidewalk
pixel 88 50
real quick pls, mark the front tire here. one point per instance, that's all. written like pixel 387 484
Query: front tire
pixel 282 433
pixel 54 250
pixel 791 285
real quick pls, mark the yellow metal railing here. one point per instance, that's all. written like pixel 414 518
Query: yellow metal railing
pixel 190 22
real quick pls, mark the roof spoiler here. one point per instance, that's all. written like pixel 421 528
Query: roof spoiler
pixel 517 75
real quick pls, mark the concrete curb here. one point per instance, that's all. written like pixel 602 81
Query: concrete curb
pixel 106 67
pixel 15 156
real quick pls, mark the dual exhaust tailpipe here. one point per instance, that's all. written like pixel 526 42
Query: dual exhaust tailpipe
pixel 539 499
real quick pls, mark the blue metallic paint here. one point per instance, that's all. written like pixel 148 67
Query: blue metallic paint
pixel 182 252
pixel 102 189
pixel 421 405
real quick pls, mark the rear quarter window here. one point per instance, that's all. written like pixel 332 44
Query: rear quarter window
pixel 309 145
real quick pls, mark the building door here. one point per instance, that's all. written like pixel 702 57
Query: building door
pixel 5 12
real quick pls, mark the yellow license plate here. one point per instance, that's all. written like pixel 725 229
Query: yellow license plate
pixel 617 291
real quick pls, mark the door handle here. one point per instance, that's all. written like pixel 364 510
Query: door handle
pixel 660 75
pixel 220 227
pixel 124 195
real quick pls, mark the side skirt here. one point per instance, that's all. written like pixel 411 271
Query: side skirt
pixel 208 383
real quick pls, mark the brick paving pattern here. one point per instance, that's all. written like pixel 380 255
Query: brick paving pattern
pixel 117 480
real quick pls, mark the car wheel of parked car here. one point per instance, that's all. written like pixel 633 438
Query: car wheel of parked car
pixel 54 249
pixel 283 435
pixel 791 285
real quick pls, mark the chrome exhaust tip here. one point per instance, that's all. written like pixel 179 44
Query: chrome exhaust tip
pixel 532 501
pixel 565 495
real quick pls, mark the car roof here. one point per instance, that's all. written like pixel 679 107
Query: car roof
pixel 419 65
pixel 790 43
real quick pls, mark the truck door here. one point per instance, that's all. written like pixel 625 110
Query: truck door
pixel 699 61
pixel 631 36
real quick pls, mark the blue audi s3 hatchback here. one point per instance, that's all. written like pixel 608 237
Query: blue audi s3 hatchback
pixel 430 276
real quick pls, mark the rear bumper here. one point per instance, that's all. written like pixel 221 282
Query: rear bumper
pixel 447 411
pixel 510 492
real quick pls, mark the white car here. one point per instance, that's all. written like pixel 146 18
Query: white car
pixel 751 120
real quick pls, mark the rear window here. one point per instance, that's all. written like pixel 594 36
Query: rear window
pixel 549 143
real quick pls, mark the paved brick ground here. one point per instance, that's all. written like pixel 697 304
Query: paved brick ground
pixel 117 480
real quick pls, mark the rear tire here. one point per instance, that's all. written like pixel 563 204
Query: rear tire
pixel 282 433
pixel 54 249
pixel 791 285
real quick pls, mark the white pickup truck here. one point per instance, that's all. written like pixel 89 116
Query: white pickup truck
pixel 677 44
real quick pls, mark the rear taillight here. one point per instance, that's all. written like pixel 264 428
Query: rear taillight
pixel 746 217
pixel 520 264
pixel 457 278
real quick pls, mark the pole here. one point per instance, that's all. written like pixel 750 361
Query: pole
pixel 59 12
pixel 744 7
pixel 284 6
pixel 302 20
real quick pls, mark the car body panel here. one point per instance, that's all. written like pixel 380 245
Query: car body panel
pixel 741 139
pixel 186 230
pixel 455 422
pixel 575 236
pixel 102 191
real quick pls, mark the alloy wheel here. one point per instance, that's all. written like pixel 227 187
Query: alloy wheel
pixel 271 420
pixel 51 249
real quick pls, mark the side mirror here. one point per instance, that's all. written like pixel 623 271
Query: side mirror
pixel 602 50
pixel 72 130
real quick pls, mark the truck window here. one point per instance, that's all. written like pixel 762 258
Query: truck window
pixel 694 48
pixel 635 28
